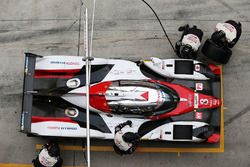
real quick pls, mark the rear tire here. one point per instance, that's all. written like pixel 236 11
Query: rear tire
pixel 216 53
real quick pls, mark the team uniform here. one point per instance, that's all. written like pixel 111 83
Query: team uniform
pixel 48 159
pixel 187 47
pixel 227 34
pixel 125 142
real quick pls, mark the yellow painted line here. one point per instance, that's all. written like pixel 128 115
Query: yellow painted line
pixel 27 165
pixel 220 149
pixel 222 140
pixel 80 148
pixel 180 150
pixel 139 149
pixel 15 165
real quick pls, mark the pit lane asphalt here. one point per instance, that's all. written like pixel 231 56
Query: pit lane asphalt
pixel 124 29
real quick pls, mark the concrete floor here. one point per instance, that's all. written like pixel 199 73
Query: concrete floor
pixel 125 29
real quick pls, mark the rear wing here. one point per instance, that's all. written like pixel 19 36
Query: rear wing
pixel 29 70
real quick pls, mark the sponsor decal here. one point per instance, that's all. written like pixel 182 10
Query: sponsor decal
pixel 123 72
pixel 183 99
pixel 130 71
pixel 198 115
pixel 193 38
pixel 68 128
pixel 229 27
pixel 53 127
pixel 196 99
pixel 197 67
pixel 72 63
pixel 66 63
pixel 216 102
pixel 211 102
pixel 61 128
pixel 199 86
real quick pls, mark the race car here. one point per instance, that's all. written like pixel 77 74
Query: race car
pixel 172 100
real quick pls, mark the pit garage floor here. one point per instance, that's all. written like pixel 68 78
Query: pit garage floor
pixel 125 29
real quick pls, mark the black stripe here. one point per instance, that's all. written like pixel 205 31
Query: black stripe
pixel 48 106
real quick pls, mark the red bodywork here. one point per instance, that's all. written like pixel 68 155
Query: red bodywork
pixel 58 73
pixel 189 100
pixel 215 69
pixel 188 105
pixel 97 96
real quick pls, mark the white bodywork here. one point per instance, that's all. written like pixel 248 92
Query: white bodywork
pixel 64 129
pixel 122 69
pixel 166 68
pixel 159 132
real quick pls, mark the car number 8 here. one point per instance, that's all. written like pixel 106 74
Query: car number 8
pixel 204 101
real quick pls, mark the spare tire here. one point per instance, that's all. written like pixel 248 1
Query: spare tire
pixel 215 52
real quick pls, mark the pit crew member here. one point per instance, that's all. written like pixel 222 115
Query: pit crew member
pixel 125 142
pixel 187 47
pixel 49 156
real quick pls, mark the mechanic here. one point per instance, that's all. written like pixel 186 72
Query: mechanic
pixel 187 47
pixel 125 142
pixel 49 156
pixel 227 34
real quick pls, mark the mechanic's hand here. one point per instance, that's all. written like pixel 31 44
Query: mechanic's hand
pixel 183 28
pixel 128 122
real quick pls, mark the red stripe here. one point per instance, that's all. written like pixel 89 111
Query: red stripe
pixel 36 119
pixel 58 73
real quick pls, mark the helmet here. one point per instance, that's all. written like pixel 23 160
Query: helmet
pixel 54 150
pixel 130 137
pixel 186 52
pixel 219 37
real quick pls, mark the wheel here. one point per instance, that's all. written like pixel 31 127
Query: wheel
pixel 216 53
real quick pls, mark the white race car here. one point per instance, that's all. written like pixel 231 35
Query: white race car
pixel 171 99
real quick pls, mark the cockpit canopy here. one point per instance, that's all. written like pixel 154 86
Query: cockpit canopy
pixel 140 97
